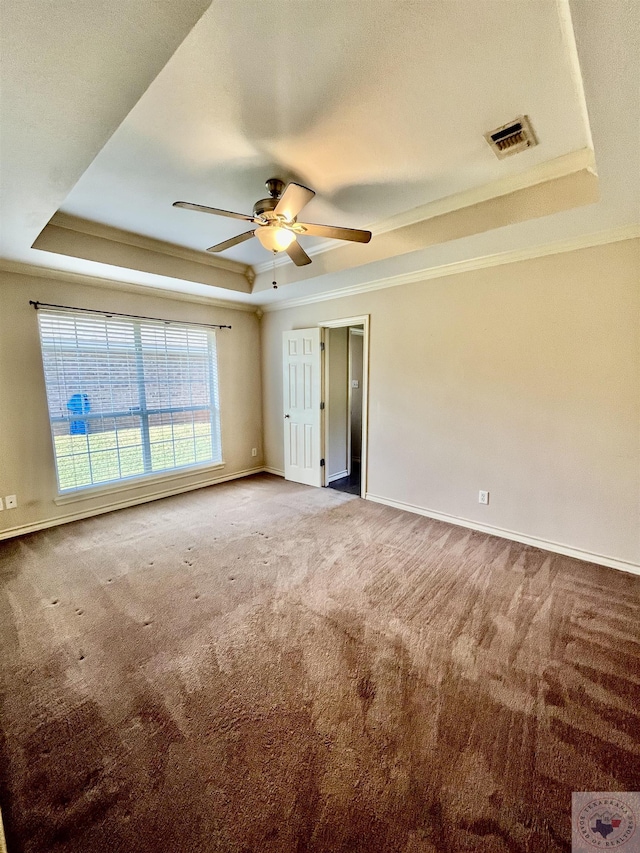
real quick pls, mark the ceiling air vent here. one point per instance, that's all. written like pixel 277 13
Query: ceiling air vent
pixel 515 136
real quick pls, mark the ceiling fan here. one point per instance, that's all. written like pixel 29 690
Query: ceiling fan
pixel 276 220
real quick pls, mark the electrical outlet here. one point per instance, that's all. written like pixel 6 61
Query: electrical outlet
pixel 11 501
pixel 254 451
pixel 483 497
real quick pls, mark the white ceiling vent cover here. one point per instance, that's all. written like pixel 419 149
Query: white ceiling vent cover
pixel 515 136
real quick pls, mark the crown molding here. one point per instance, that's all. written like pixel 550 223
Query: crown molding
pixel 614 235
pixel 559 167
pixel 128 238
pixel 21 268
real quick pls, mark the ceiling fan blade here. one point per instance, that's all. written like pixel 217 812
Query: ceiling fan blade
pixel 298 254
pixel 335 233
pixel 234 241
pixel 294 198
pixel 201 208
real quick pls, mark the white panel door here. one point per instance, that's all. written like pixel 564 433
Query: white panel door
pixel 302 384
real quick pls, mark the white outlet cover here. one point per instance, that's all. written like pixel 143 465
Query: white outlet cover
pixel 483 497
pixel 11 501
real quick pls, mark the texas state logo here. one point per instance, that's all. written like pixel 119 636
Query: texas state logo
pixel 605 822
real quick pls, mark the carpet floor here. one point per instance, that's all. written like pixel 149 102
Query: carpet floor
pixel 262 667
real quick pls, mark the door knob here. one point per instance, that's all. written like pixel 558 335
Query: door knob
pixel 287 416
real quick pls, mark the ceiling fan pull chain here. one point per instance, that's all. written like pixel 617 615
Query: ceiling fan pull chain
pixel 274 282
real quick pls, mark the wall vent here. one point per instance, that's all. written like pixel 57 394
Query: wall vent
pixel 515 136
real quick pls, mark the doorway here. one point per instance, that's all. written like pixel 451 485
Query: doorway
pixel 325 385
pixel 346 345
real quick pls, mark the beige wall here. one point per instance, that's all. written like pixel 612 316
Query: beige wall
pixel 522 379
pixel 337 400
pixel 26 460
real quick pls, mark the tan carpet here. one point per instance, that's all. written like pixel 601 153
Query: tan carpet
pixel 262 667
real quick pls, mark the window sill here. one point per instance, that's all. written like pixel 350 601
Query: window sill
pixel 91 492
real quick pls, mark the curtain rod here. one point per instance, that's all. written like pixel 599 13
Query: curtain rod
pixel 38 305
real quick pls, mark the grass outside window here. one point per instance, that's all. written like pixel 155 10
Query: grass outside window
pixel 101 457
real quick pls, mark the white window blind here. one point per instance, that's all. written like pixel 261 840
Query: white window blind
pixel 127 397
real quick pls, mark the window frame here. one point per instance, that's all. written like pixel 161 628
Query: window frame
pixel 142 412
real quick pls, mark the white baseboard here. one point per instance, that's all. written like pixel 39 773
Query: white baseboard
pixel 338 476
pixel 123 504
pixel 544 544
pixel 514 536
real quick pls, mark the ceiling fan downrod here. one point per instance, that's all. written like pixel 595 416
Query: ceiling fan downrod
pixel 275 187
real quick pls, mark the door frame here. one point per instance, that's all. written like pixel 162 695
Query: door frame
pixel 362 320
pixel 357 333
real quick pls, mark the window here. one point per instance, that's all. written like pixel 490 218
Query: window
pixel 128 398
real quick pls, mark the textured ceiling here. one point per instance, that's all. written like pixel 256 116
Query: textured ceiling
pixel 379 106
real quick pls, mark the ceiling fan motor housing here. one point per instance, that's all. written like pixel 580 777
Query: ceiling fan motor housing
pixel 276 220
pixel 265 207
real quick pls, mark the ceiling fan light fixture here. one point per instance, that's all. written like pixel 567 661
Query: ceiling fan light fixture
pixel 274 238
pixel 276 221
